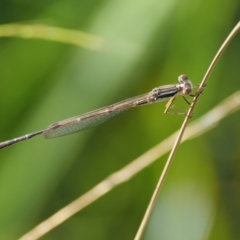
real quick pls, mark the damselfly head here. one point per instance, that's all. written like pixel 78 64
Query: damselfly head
pixel 185 84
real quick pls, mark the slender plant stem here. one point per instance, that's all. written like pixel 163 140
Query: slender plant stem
pixel 95 43
pixel 182 129
pixel 203 124
pixel 50 33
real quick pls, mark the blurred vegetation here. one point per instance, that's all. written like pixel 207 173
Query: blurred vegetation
pixel 145 44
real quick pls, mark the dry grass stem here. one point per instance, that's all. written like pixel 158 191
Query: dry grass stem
pixel 181 132
pixel 196 128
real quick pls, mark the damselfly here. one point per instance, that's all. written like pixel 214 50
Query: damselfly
pixel 96 117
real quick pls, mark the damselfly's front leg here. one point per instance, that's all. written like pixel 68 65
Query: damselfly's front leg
pixel 169 104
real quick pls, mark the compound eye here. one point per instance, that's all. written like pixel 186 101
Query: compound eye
pixel 182 78
pixel 187 90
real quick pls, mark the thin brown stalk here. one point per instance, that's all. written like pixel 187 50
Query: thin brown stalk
pixel 196 128
pixel 181 132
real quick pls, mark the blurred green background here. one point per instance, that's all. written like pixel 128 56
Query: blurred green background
pixel 146 43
